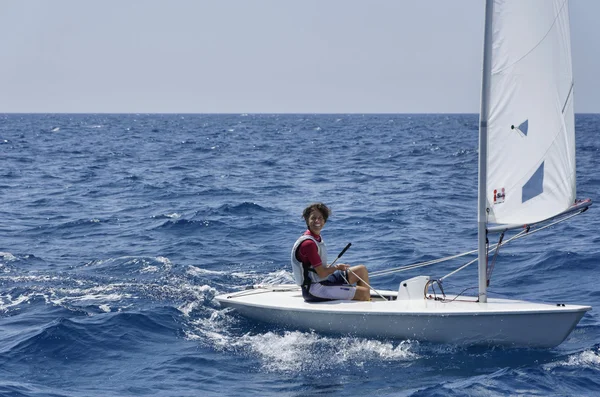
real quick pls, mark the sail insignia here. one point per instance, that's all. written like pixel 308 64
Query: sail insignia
pixel 522 128
pixel 534 186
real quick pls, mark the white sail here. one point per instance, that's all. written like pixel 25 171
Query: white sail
pixel 531 139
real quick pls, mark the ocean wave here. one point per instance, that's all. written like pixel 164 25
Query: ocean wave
pixel 79 339
pixel 100 297
pixel 30 389
pixel 198 272
pixel 7 257
pixel 173 215
pixel 277 277
pixel 129 265
pixel 185 225
pixel 245 209
pixel 203 295
pixel 56 340
pixel 8 301
pixel 79 225
pixel 586 359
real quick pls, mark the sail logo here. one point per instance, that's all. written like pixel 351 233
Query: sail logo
pixel 535 185
pixel 499 196
pixel 522 128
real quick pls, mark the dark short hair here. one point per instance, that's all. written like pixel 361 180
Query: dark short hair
pixel 322 208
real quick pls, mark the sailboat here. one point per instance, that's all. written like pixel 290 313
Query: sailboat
pixel 526 179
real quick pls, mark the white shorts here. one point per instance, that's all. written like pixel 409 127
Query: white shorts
pixel 342 292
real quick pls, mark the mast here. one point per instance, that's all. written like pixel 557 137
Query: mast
pixel 482 181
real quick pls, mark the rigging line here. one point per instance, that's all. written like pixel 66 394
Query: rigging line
pixel 457 296
pixel 432 284
pixel 490 268
pixel 367 284
pixel 524 233
pixel 492 249
pixel 422 264
pixel 417 265
pixel 459 269
pixel 521 234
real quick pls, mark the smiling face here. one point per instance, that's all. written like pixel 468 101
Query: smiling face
pixel 315 216
pixel 315 222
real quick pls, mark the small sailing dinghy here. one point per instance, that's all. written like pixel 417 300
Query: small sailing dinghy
pixel 526 180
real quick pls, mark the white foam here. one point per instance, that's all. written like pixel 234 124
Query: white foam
pixel 295 351
pixel 91 298
pixel 278 277
pixel 211 328
pixel 198 295
pixel 187 308
pixel 165 261
pixel 353 349
pixel 25 279
pixel 242 274
pixel 7 256
pixel 197 271
pixel 587 358
pixel 7 301
pixel 285 353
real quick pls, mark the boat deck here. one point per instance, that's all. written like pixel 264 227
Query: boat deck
pixel 289 297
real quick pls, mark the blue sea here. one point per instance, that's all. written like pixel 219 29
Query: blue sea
pixel 117 231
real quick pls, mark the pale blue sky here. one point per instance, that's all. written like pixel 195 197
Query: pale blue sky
pixel 259 56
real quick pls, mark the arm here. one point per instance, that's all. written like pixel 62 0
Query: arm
pixel 324 271
pixel 308 252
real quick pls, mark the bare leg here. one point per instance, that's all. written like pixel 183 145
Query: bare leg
pixel 359 275
pixel 362 294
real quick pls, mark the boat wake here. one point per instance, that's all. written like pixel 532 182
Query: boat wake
pixel 295 351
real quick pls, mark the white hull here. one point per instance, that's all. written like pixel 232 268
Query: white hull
pixel 465 321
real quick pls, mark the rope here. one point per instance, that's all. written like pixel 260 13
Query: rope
pixel 458 296
pixel 490 269
pixel 417 265
pixel 524 233
pixel 458 270
pixel 493 248
pixel 367 284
